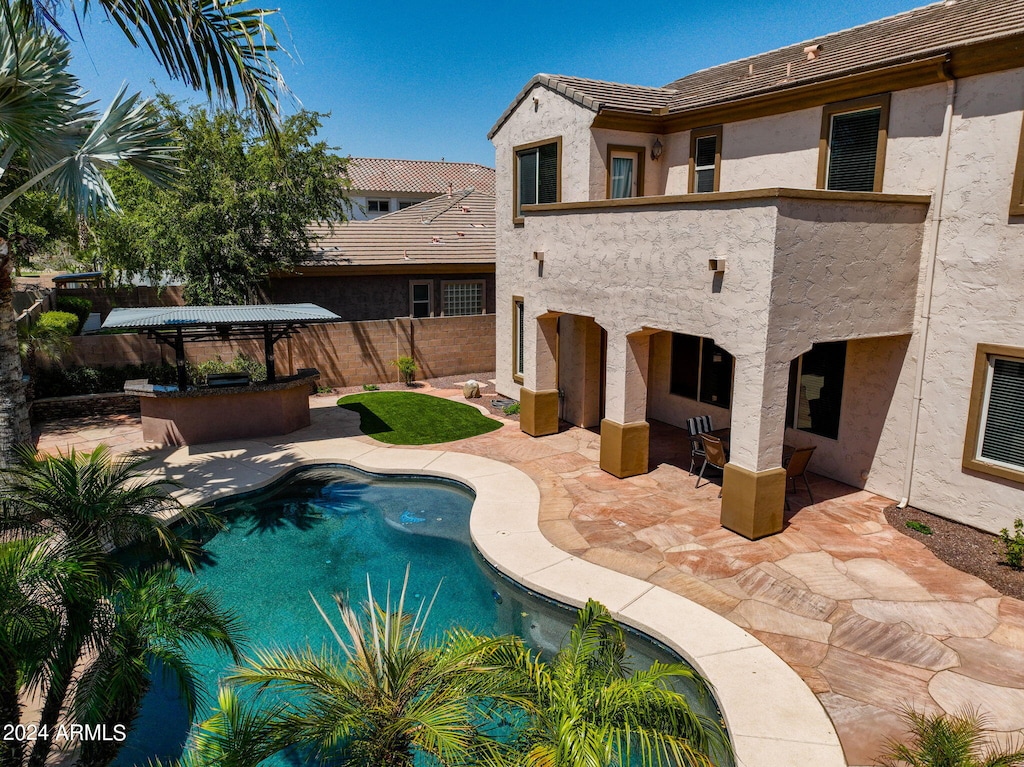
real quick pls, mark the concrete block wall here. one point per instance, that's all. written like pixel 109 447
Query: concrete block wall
pixel 345 353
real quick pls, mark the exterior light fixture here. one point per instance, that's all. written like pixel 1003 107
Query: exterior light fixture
pixel 657 149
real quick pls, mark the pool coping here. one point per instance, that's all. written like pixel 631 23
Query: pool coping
pixel 759 695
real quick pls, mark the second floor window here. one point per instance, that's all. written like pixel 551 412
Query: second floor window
pixel 536 175
pixel 705 159
pixel 853 145
pixel 625 171
pixel 378 206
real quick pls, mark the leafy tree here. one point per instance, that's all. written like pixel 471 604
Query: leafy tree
pixel 85 503
pixel 238 211
pixel 588 709
pixel 958 740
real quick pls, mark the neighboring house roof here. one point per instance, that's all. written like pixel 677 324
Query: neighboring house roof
pixel 910 36
pixel 441 230
pixel 418 176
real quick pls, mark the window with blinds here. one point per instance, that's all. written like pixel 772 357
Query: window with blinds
pixel 1002 428
pixel 853 150
pixel 536 175
pixel 705 159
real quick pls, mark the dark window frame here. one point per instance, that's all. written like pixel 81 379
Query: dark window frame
pixel 880 102
pixel 517 152
pixel 691 370
pixel 373 205
pixel 518 331
pixel 824 406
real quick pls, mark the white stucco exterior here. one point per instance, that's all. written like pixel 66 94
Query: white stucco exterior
pixel 801 269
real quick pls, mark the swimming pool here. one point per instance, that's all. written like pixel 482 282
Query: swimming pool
pixel 323 530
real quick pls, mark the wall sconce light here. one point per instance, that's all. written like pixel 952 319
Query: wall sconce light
pixel 657 149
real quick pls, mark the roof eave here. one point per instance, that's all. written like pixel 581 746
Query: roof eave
pixel 554 85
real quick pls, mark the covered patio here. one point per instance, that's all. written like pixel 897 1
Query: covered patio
pixel 868 618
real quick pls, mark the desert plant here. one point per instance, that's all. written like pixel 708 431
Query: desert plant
pixel 407 369
pixel 512 409
pixel 242 363
pixel 920 527
pixel 371 387
pixel 1013 545
pixel 80 307
pixel 941 740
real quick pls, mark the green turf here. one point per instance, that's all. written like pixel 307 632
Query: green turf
pixel 407 418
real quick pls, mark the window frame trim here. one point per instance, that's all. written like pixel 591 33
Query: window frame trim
pixel 519 220
pixel 880 101
pixel 699 133
pixel 1017 189
pixel 980 386
pixel 483 296
pixel 639 151
pixel 700 372
pixel 517 363
pixel 430 297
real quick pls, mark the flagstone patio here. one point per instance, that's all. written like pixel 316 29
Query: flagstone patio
pixel 868 617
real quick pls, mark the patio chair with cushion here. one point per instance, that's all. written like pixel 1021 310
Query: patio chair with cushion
pixel 714 455
pixel 797 467
pixel 697 426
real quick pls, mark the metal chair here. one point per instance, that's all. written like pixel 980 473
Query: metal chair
pixel 714 455
pixel 697 426
pixel 797 467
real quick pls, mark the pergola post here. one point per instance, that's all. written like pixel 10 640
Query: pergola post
pixel 268 353
pixel 179 360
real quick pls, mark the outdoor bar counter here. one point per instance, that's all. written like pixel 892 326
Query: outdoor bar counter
pixel 215 414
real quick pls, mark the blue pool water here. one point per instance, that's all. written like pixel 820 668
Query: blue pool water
pixel 322 530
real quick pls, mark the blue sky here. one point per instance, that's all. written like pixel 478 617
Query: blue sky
pixel 427 80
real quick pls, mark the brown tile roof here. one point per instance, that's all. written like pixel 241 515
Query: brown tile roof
pixel 442 230
pixel 913 35
pixel 374 174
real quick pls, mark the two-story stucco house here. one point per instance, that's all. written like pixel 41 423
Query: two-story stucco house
pixel 820 245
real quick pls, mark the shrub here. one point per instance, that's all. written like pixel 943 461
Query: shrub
pixel 240 364
pixel 920 527
pixel 512 409
pixel 1013 546
pixel 61 322
pixel 80 307
pixel 371 387
pixel 66 382
pixel 407 368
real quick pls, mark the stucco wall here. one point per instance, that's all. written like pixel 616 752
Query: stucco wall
pixel 553 116
pixel 781 150
pixel 977 299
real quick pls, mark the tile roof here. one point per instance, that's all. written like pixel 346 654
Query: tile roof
pixel 441 230
pixel 914 35
pixel 374 174
pixel 203 316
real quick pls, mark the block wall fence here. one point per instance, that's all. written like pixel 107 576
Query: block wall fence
pixel 345 353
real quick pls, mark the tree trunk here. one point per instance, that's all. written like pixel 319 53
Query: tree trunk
pixel 14 424
pixel 11 751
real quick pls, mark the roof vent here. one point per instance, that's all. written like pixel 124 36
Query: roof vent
pixel 813 51
pixel 435 240
pixel 465 209
pixel 750 70
pixel 461 234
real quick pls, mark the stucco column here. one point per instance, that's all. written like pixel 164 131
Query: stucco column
pixel 538 397
pixel 754 482
pixel 625 433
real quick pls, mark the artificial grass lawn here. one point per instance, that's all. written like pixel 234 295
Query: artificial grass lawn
pixel 407 418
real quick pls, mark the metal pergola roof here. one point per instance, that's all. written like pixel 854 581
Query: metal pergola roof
pixel 174 325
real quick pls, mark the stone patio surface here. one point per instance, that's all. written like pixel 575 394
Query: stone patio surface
pixel 869 618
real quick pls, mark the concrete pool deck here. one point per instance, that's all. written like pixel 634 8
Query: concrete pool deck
pixel 840 613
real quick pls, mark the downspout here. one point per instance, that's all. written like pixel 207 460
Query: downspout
pixel 932 250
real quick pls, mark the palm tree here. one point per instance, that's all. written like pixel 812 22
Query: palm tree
pixel 154 619
pixel 957 740
pixel 43 117
pixel 219 47
pixel 35 339
pixel 385 697
pixel 587 710
pixel 87 502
